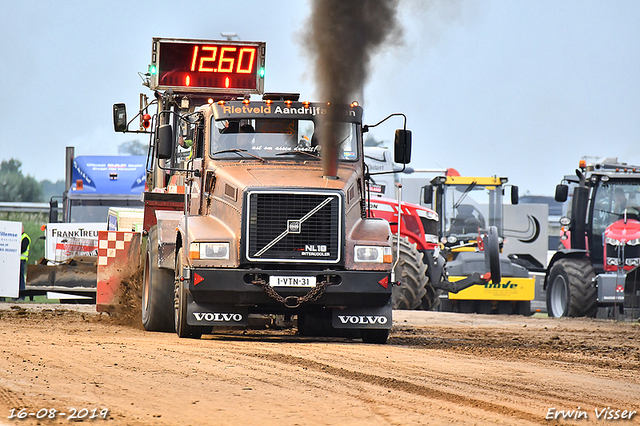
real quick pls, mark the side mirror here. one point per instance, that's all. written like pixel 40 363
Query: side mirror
pixel 402 147
pixel 515 198
pixel 427 194
pixel 120 117
pixel 562 192
pixel 164 145
pixel 53 211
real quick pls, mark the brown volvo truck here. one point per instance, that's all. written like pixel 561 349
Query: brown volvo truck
pixel 256 206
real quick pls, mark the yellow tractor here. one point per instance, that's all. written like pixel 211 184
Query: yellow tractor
pixel 467 207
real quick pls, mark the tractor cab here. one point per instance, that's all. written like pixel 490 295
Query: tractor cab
pixel 615 195
pixel 467 206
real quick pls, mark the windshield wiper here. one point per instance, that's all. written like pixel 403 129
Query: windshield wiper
pixel 466 192
pixel 299 152
pixel 240 152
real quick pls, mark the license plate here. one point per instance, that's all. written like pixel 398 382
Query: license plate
pixel 279 281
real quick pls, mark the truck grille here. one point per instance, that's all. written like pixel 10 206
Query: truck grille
pixel 294 227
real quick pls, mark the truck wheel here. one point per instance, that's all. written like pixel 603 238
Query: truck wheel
pixel 157 290
pixel 411 271
pixel 180 304
pixel 570 291
pixel 377 336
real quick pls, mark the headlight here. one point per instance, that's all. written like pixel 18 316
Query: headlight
pixel 209 251
pixel 634 242
pixel 612 242
pixel 373 254
pixel 565 221
pixel 452 239
pixel 611 261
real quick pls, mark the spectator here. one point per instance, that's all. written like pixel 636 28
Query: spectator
pixel 24 256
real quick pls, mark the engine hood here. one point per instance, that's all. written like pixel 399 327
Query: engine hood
pixel 285 175
pixel 623 232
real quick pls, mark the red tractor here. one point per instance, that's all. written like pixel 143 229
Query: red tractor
pixel 419 269
pixel 418 236
pixel 595 272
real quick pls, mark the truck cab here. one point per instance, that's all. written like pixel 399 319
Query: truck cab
pixel 257 206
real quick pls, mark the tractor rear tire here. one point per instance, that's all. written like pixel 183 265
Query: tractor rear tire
pixel 431 299
pixel 570 289
pixel 157 290
pixel 411 272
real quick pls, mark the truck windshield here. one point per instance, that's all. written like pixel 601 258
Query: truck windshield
pixel 278 138
pixel 471 207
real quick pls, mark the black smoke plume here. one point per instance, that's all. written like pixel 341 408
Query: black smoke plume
pixel 343 36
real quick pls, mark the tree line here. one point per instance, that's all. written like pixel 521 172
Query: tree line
pixel 16 187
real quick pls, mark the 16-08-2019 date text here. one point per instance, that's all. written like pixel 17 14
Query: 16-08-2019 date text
pixel 52 413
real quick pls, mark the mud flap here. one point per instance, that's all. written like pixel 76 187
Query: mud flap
pixel 372 317
pixel 207 314
pixel 118 260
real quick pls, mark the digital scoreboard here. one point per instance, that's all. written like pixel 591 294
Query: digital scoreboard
pixel 215 66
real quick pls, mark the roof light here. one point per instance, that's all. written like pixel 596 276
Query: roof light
pixel 306 104
pixel 354 104
pixel 582 164
pixel 220 102
pixel 269 101
pixel 287 103
pixel 245 101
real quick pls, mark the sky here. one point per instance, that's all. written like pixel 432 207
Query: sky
pixel 516 88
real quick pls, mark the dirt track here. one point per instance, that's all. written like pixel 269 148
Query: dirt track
pixel 438 368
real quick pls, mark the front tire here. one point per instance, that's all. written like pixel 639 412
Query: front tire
pixel 570 289
pixel 157 290
pixel 181 302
